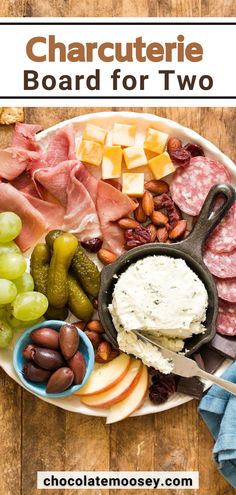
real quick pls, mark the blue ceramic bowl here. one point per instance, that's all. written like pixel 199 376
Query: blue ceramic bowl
pixel 85 347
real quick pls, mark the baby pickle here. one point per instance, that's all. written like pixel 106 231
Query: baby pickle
pixel 78 302
pixel 52 236
pixel 64 248
pixel 86 272
pixel 39 266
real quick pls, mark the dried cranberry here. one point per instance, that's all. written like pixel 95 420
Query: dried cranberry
pixel 194 149
pixel 162 388
pixel 173 211
pixel 137 237
pixel 92 245
pixel 180 157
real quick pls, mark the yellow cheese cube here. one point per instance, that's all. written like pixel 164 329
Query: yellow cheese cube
pixel 161 165
pixel 155 141
pixel 94 133
pixel 135 157
pixel 90 152
pixel 123 134
pixel 133 184
pixel 111 162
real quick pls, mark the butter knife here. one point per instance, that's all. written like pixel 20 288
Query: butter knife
pixel 186 367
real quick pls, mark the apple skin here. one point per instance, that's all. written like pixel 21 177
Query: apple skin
pixel 102 401
pixel 106 376
pixel 130 404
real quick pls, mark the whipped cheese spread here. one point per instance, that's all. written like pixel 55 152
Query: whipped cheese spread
pixel 163 298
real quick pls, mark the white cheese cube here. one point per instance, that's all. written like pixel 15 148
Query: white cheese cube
pixel 94 133
pixel 135 157
pixel 133 184
pixel 111 162
pixel 123 134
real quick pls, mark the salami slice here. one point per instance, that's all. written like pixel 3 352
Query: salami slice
pixel 226 288
pixel 221 265
pixel 191 184
pixel 223 239
pixel 226 320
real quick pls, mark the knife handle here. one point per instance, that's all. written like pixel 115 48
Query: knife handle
pixel 229 386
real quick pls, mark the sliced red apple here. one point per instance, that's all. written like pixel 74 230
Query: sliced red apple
pixel 106 376
pixel 119 391
pixel 132 402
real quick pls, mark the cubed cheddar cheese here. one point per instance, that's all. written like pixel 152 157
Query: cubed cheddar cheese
pixel 155 141
pixel 161 165
pixel 111 162
pixel 135 157
pixel 133 184
pixel 94 133
pixel 123 134
pixel 90 152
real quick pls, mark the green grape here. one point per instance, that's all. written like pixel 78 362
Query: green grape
pixel 8 291
pixel 12 265
pixel 29 306
pixel 25 283
pixel 6 334
pixel 10 226
pixel 9 247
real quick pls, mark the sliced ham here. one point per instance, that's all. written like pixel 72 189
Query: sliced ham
pixel 37 216
pixel 62 182
pixel 111 206
pixel 61 146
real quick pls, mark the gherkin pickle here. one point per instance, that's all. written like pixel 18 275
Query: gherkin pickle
pixel 52 236
pixel 79 304
pixel 39 267
pixel 86 272
pixel 64 248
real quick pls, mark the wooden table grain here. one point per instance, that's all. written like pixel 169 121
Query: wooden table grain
pixel 36 436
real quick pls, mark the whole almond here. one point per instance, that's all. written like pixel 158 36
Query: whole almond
pixel 80 324
pixel 128 223
pixel 153 231
pixel 95 326
pixel 106 257
pixel 148 203
pixel 157 186
pixel 159 218
pixel 95 338
pixel 114 353
pixel 173 144
pixel 162 234
pixel 178 230
pixel 104 350
pixel 139 214
pixel 158 202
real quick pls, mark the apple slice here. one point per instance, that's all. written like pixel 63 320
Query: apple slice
pixel 119 391
pixel 132 402
pixel 106 376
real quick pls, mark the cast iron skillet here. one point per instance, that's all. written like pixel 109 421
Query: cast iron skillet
pixel 190 249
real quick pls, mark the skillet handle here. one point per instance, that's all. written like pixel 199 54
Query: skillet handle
pixel 209 219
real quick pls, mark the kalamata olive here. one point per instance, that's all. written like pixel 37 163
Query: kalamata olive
pixel 34 373
pixel 46 337
pixel 92 245
pixel 78 366
pixel 69 340
pixel 60 380
pixel 47 358
pixel 28 352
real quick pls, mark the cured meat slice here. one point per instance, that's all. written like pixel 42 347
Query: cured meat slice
pixel 24 137
pixel 221 265
pixel 61 146
pixel 37 216
pixel 13 161
pixel 111 206
pixel 223 238
pixel 191 184
pixel 226 320
pixel 88 180
pixel 226 288
pixel 80 213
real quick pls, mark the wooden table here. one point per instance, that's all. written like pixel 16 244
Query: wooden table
pixel 37 436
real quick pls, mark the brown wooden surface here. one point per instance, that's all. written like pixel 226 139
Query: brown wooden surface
pixel 37 436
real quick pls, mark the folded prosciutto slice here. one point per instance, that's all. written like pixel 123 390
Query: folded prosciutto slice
pixel 24 137
pixel 13 161
pixel 61 146
pixel 80 212
pixel 37 216
pixel 111 206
